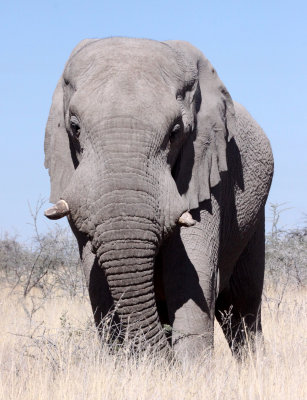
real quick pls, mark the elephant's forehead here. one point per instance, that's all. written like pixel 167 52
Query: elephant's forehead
pixel 108 58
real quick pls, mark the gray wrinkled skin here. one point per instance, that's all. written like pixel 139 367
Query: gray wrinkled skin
pixel 139 132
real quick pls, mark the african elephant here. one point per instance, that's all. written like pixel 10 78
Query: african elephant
pixel 164 180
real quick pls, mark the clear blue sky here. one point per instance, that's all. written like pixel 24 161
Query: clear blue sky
pixel 259 49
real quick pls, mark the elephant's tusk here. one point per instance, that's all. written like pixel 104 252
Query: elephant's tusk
pixel 59 210
pixel 186 219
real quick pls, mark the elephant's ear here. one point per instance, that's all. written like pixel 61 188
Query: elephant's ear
pixel 205 153
pixel 57 147
pixel 58 157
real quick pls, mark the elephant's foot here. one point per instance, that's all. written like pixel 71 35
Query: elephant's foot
pixel 192 333
pixel 191 347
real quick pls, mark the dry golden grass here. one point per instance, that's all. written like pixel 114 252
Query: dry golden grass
pixel 49 350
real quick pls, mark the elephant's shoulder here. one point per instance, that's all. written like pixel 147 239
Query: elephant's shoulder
pixel 253 144
pixel 251 168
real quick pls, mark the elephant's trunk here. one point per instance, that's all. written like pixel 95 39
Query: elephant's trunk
pixel 126 251
pixel 126 240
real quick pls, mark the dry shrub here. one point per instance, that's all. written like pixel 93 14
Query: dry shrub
pixel 50 262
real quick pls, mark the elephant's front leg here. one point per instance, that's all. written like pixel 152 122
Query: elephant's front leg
pixel 189 263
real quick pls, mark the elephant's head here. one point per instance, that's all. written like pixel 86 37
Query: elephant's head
pixel 136 136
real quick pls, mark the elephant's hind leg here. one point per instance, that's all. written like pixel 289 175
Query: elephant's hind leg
pixel 238 306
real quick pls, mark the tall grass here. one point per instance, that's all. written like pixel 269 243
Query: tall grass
pixel 53 352
pixel 49 347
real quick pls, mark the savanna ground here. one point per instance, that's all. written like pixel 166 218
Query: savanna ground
pixel 49 347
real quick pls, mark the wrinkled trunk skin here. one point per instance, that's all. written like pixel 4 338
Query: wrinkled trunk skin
pixel 126 251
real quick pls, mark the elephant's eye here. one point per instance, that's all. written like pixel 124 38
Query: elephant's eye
pixel 175 132
pixel 75 126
